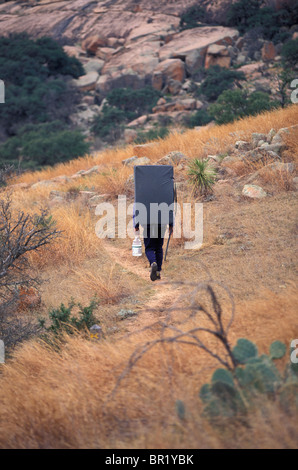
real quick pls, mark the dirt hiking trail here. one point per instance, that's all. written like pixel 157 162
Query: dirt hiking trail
pixel 164 293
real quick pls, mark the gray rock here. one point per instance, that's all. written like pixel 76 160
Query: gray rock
pixel 87 82
pixel 281 166
pixel 94 169
pixel 126 313
pixel 129 161
pixel 274 147
pixel 256 137
pixel 41 184
pixel 94 65
pixel 253 191
pixel 270 135
pixel 295 183
pixel 97 199
pixel 142 161
pixel 242 145
pixel 55 193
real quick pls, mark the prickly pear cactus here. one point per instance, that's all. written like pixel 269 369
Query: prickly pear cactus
pixel 277 350
pixel 244 350
pixel 232 393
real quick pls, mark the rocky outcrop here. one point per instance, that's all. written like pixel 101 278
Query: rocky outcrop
pixel 217 55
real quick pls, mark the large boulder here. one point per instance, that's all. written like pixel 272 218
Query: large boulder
pixel 186 104
pixel 94 65
pixel 86 82
pixel 253 191
pixel 191 45
pixel 92 43
pixel 217 55
pixel 171 69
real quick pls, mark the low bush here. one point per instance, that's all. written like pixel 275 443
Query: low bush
pixel 62 320
pixel 191 16
pixel 254 15
pixel 152 134
pixel 234 104
pixel 43 144
pixel 199 118
pixel 217 80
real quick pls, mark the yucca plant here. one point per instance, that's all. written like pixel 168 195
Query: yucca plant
pixel 201 175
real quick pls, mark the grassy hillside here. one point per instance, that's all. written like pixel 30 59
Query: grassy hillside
pixel 249 247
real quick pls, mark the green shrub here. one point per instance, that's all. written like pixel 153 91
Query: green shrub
pixel 252 15
pixel 199 118
pixel 217 80
pixel 201 176
pixel 43 144
pixel 152 134
pixel 62 320
pixel 109 123
pixel 241 13
pixel 235 104
pixel 133 102
pixel 36 93
pixel 190 18
pixel 289 54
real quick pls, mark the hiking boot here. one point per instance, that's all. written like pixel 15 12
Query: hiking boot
pixel 158 275
pixel 153 275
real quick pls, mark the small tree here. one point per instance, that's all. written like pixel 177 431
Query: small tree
pixel 20 234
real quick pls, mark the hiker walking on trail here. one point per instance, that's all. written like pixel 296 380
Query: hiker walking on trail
pixel 153 242
pixel 153 210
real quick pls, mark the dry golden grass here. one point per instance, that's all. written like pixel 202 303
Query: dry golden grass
pixel 105 284
pixel 77 242
pixel 281 179
pixel 68 401
pixel 248 245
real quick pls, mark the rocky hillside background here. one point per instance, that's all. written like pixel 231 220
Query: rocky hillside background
pixel 175 59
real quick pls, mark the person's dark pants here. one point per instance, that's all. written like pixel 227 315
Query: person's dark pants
pixel 153 246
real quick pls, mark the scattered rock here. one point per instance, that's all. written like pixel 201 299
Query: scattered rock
pixel 280 166
pixel 256 137
pixel 86 82
pixel 126 313
pixel 242 145
pixel 172 158
pixel 94 65
pixel 94 169
pixel 174 86
pixel 140 121
pixel 295 183
pixel 217 55
pixel 253 191
pixel 171 69
pixel 41 184
pixel 274 147
pixel 92 43
pixel 129 161
pixel 259 154
pixel 136 161
pixel 142 161
pixel 270 135
pixel 95 200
